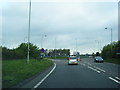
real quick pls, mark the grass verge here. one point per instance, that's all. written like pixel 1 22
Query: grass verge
pixel 113 60
pixel 15 71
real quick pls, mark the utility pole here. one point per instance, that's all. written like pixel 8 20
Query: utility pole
pixel 28 57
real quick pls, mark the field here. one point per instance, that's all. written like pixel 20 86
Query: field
pixel 15 71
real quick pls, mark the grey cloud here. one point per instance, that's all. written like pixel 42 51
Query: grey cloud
pixel 63 21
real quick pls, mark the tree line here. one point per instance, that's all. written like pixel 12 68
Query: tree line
pixel 21 52
pixel 111 50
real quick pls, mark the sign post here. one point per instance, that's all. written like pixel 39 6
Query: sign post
pixel 42 52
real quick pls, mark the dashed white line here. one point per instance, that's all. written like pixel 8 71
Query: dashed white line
pixel 83 64
pixel 99 69
pixel 114 80
pixel 38 84
pixel 117 78
pixel 94 69
pixel 89 64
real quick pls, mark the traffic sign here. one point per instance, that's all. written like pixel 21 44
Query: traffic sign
pixel 42 50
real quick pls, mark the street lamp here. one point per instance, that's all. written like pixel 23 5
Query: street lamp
pixel 29 32
pixel 42 40
pixel 111 38
pixel 76 45
pixel 55 47
pixel 98 44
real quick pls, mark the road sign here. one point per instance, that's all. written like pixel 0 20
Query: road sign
pixel 42 50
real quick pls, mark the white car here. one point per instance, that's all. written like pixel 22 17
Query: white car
pixel 72 60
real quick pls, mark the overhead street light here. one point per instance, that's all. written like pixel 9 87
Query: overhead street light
pixel 98 44
pixel 55 47
pixel 29 32
pixel 76 44
pixel 111 37
pixel 42 40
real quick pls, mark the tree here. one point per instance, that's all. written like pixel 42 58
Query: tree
pixel 107 53
pixel 20 52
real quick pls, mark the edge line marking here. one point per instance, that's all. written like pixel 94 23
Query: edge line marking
pixel 39 83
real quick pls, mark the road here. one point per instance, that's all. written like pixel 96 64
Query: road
pixel 87 74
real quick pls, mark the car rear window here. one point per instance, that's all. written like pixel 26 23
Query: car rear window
pixel 98 57
pixel 72 57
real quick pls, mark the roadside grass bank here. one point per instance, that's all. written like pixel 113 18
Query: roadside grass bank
pixel 15 71
pixel 113 60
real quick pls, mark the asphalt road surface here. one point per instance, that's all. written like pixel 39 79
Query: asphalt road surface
pixel 87 74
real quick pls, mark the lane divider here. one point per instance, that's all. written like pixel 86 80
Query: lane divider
pixel 100 69
pixel 39 83
pixel 89 64
pixel 117 78
pixel 114 80
pixel 82 64
pixel 94 69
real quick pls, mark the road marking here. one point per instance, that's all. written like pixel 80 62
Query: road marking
pixel 99 69
pixel 114 80
pixel 82 64
pixel 89 64
pixel 117 78
pixel 38 84
pixel 94 69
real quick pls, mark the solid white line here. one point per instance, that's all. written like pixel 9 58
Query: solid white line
pixel 94 69
pixel 100 69
pixel 45 77
pixel 114 80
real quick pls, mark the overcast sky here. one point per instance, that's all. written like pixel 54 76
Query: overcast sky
pixel 66 23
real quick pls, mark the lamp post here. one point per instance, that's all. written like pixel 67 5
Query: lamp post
pixel 42 40
pixel 76 45
pixel 98 44
pixel 111 38
pixel 55 47
pixel 29 32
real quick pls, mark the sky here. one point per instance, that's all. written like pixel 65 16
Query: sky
pixel 74 25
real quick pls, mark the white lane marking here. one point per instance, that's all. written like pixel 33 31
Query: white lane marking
pixel 117 78
pixel 99 69
pixel 89 64
pixel 38 84
pixel 114 80
pixel 94 69
pixel 82 64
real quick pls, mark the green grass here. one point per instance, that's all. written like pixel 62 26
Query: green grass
pixel 113 60
pixel 15 71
